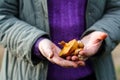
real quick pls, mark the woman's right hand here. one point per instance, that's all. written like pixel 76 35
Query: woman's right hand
pixel 50 51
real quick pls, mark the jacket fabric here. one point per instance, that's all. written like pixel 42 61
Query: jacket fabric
pixel 22 22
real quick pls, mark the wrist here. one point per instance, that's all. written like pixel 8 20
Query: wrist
pixel 35 49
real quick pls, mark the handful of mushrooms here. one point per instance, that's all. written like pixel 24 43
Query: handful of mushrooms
pixel 73 47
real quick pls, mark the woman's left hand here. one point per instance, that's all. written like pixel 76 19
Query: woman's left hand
pixel 92 43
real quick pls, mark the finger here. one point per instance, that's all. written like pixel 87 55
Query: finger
pixel 82 53
pixel 47 53
pixel 64 63
pixel 83 56
pixel 74 58
pixel 100 37
pixel 50 54
pixel 81 63
pixel 68 58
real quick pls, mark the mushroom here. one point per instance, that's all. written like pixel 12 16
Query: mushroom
pixel 71 48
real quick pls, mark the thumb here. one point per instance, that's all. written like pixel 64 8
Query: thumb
pixel 101 36
pixel 48 53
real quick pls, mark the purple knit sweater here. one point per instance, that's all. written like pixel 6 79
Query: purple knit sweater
pixel 67 22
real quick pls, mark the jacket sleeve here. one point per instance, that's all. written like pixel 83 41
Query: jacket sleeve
pixel 16 35
pixel 109 23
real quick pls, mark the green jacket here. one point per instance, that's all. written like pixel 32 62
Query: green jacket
pixel 23 21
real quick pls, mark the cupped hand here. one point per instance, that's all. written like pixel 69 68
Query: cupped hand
pixel 92 42
pixel 50 51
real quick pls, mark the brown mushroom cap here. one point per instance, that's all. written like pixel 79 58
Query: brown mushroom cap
pixel 70 48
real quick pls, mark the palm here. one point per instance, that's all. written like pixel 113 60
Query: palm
pixel 51 51
pixel 93 42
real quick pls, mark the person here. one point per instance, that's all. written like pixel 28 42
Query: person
pixel 31 30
